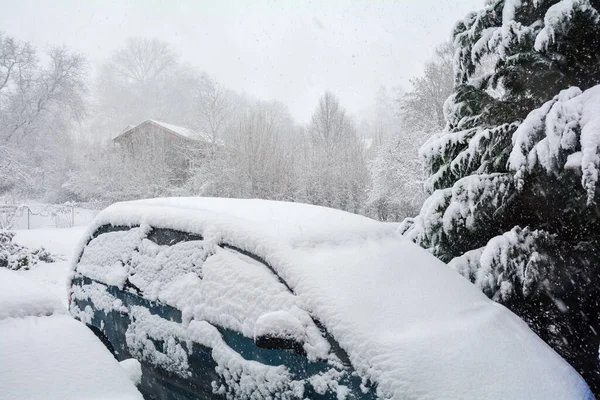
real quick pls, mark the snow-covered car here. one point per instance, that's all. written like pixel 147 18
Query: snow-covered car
pixel 225 298
pixel 46 354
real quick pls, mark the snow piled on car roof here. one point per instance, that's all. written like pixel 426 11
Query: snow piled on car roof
pixel 408 322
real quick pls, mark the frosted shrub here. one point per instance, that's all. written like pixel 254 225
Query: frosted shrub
pixel 17 257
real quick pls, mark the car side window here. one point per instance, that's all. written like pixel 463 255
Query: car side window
pixel 223 285
pixel 208 312
pixel 242 294
pixel 107 255
pixel 111 228
pixel 169 237
pixel 165 260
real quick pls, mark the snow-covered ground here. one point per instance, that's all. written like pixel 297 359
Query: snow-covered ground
pixel 60 242
pixel 47 355
pixel 62 359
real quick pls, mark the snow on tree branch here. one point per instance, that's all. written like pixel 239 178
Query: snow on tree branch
pixel 564 133
pixel 452 216
pixel 557 20
pixel 513 261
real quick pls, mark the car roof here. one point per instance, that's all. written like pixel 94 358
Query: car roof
pixel 294 223
pixel 407 321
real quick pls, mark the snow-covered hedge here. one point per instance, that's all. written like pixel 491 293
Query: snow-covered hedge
pixel 17 257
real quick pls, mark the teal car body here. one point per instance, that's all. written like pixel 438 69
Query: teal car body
pixel 200 380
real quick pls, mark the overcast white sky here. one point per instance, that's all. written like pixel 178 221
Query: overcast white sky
pixel 291 51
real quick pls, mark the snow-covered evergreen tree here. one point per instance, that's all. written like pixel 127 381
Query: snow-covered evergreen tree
pixel 515 199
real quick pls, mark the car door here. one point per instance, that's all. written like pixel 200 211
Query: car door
pixel 260 319
pixel 205 320
pixel 240 303
pixel 130 320
pixel 173 366
pixel 95 297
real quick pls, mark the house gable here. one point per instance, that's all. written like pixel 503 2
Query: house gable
pixel 157 126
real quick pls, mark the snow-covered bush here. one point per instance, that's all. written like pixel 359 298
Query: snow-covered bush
pixel 17 257
pixel 515 200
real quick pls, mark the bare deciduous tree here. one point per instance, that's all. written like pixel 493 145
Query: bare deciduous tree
pixel 214 109
pixel 144 80
pixel 396 174
pixel 333 169
pixel 39 101
pixel 255 160
pixel 16 59
pixel 143 60
pixel 30 89
pixel 330 127
pixel 422 108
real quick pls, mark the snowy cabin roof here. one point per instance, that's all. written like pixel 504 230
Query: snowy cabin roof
pixel 408 322
pixel 173 129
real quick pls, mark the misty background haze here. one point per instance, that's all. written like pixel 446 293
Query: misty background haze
pixel 291 51
pixel 325 104
pixel 472 125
